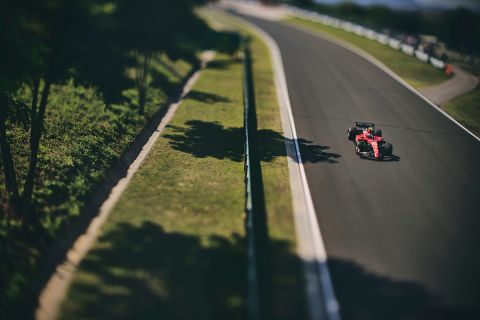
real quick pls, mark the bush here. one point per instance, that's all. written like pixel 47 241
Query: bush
pixel 82 139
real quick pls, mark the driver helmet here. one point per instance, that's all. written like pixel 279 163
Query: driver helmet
pixel 370 130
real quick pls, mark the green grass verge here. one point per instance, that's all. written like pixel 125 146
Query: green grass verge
pixel 287 300
pixel 416 73
pixel 466 110
pixel 173 247
pixel 287 288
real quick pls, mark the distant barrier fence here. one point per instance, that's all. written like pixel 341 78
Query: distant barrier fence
pixel 367 33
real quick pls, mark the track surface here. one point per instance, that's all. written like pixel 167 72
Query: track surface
pixel 402 236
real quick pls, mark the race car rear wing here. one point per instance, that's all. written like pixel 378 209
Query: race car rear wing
pixel 364 124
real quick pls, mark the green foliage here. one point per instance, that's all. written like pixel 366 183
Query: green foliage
pixel 82 140
pixel 78 81
pixel 458 28
pixel 191 187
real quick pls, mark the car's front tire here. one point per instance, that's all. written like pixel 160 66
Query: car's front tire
pixel 388 149
pixel 360 147
pixel 351 133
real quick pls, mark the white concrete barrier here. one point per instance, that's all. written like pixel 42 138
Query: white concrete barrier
pixel 383 39
pixel 372 35
pixel 349 27
pixel 394 43
pixel 365 32
pixel 408 49
pixel 359 30
pixel 422 56
pixel 437 63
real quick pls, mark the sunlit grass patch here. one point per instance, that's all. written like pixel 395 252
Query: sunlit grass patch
pixel 466 110
pixel 173 246
pixel 284 273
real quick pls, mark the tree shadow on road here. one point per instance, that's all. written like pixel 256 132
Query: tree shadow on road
pixel 366 295
pixel 144 272
pixel 211 139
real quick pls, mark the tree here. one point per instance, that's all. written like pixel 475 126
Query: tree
pixel 18 60
pixel 148 27
pixel 94 42
pixel 42 50
pixel 462 30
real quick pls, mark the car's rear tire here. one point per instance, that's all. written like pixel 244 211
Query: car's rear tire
pixel 351 133
pixel 388 149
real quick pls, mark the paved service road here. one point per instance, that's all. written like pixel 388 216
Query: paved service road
pixel 403 237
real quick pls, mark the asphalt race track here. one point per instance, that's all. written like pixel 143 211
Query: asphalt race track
pixel 402 237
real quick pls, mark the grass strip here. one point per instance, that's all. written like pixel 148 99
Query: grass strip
pixel 173 247
pixel 466 110
pixel 418 74
pixel 286 288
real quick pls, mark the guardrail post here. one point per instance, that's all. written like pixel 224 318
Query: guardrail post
pixel 252 294
pixel 253 303
pixel 256 224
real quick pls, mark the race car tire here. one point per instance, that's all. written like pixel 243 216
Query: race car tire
pixel 377 133
pixel 388 149
pixel 360 147
pixel 351 133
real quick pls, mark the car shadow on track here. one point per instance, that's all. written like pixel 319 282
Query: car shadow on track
pixel 393 158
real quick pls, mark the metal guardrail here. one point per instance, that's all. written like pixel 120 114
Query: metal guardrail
pixel 253 288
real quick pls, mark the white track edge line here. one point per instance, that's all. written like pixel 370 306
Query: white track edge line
pixel 320 255
pixel 370 58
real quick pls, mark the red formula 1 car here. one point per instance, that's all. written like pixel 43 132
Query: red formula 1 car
pixel 369 142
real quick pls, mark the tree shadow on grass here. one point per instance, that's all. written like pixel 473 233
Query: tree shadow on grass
pixel 210 139
pixel 161 80
pixel 222 64
pixel 144 272
pixel 206 97
pixel 149 273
